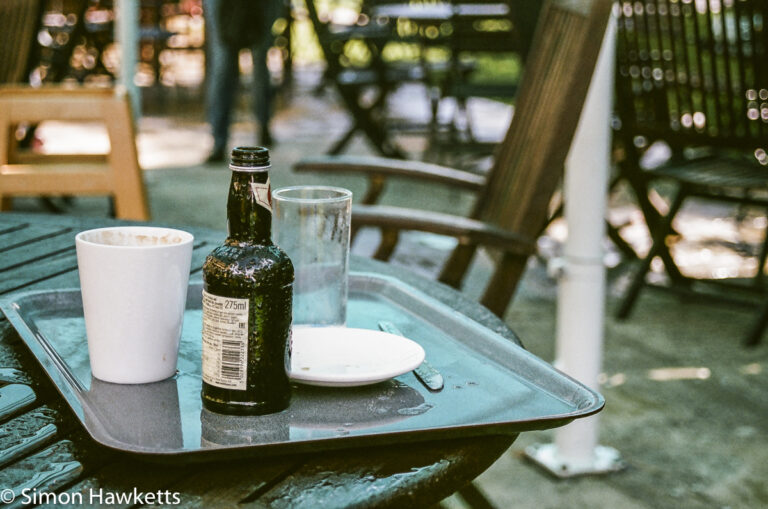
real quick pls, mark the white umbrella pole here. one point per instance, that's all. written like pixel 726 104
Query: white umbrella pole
pixel 581 291
pixel 127 36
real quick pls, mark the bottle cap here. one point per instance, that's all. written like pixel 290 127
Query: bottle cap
pixel 249 159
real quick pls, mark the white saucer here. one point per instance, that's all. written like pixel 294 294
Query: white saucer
pixel 344 357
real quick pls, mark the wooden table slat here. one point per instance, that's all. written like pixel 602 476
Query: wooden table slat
pixel 51 468
pixel 13 376
pixel 396 479
pixel 237 483
pixel 18 235
pixel 60 271
pixel 43 271
pixel 11 228
pixel 15 397
pixel 30 252
pixel 27 433
pixel 15 358
pixel 201 251
pixel 120 477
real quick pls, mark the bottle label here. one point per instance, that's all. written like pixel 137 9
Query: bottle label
pixel 225 341
pixel 262 194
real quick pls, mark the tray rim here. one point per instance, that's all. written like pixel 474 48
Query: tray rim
pixel 71 390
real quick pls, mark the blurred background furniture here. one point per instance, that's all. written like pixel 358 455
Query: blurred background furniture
pixel 484 32
pixel 440 46
pixel 30 173
pixel 18 30
pixel 41 45
pixel 513 202
pixel 365 83
pixel 694 77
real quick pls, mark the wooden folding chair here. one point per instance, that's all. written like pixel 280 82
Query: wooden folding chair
pixel 116 174
pixel 513 202
pixel 352 82
pixel 483 29
pixel 694 77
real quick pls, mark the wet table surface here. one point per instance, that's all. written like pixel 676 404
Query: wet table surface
pixel 43 449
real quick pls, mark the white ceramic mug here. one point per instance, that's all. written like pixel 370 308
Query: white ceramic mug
pixel 134 285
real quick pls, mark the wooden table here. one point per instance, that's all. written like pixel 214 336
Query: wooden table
pixel 440 12
pixel 44 448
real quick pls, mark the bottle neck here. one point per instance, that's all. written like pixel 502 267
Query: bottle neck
pixel 249 208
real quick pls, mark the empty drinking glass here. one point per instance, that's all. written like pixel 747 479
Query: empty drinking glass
pixel 312 225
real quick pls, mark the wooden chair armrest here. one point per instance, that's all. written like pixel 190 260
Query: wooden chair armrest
pixel 385 167
pixel 476 232
pixel 28 157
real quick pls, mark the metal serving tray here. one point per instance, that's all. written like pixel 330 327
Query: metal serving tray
pixel 492 386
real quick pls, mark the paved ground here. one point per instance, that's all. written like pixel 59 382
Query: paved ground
pixel 687 405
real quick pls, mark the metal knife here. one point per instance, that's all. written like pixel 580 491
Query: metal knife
pixel 426 373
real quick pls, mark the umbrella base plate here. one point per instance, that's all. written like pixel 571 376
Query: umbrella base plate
pixel 604 460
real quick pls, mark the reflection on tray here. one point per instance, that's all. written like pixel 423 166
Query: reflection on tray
pixel 317 412
pixel 144 415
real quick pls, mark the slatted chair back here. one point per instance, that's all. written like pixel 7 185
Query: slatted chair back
pixel 513 202
pixel 694 74
pixel 19 20
pixel 529 162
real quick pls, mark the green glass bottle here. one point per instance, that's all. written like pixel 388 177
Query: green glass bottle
pixel 247 291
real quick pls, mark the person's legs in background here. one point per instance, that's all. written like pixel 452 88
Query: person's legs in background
pixel 262 91
pixel 223 77
pixel 262 83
